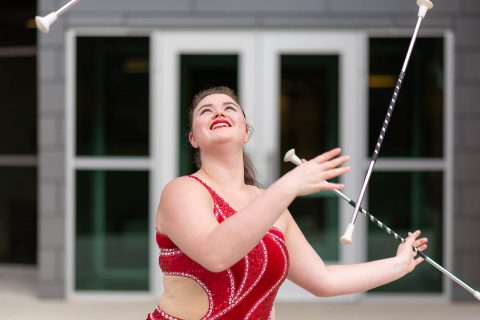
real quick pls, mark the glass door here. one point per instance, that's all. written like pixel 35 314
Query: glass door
pixel 314 101
pixel 303 90
pixel 108 164
pixel 185 64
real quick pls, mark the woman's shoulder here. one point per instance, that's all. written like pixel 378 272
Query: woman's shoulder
pixel 182 184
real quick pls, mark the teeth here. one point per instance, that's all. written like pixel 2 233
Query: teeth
pixel 218 125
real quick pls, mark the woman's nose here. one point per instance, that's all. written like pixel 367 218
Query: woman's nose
pixel 218 113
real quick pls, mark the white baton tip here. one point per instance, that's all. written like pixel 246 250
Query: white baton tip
pixel 424 6
pixel 477 295
pixel 290 156
pixel 43 23
pixel 347 237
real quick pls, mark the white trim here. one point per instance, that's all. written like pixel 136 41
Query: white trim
pixel 404 298
pixel 70 58
pixel 112 163
pixel 113 296
pixel 74 163
pixel 164 125
pixel 448 150
pixel 445 164
pixel 391 164
pixel 155 275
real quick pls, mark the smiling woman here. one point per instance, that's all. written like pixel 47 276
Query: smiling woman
pixel 233 104
pixel 226 245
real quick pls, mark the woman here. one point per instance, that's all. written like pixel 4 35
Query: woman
pixel 230 263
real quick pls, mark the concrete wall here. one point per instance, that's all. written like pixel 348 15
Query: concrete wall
pixel 460 16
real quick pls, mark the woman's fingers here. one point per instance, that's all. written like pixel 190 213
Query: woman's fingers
pixel 327 155
pixel 335 162
pixel 418 261
pixel 420 242
pixel 412 237
pixel 332 173
pixel 422 247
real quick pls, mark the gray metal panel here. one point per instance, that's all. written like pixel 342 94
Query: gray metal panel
pixel 147 20
pixel 255 6
pixel 392 7
pixel 466 99
pixel 467 32
pixel 472 65
pixel 132 5
pixel 472 6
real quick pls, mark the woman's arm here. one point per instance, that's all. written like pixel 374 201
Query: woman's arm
pixel 309 271
pixel 185 212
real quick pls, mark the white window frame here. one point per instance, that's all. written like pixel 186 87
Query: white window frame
pixel 164 128
pixel 74 163
pixel 444 165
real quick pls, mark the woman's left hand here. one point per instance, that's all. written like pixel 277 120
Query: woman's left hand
pixel 406 254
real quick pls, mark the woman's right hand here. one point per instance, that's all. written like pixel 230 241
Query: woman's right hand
pixel 311 175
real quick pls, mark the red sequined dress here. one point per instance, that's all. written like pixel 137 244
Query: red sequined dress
pixel 247 289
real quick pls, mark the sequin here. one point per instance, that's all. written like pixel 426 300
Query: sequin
pixel 246 290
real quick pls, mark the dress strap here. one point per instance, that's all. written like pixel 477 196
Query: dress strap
pixel 212 192
pixel 217 199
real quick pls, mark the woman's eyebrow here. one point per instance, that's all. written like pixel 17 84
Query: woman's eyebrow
pixel 231 103
pixel 204 106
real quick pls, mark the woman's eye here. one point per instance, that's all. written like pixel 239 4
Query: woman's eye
pixel 231 108
pixel 204 111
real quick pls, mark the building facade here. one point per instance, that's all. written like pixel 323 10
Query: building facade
pixel 114 82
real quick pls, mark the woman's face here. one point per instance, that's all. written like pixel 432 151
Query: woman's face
pixel 217 119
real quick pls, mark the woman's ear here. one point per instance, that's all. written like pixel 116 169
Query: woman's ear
pixel 247 134
pixel 191 138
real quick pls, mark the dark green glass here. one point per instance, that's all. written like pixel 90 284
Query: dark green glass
pixel 18 215
pixel 112 96
pixel 416 128
pixel 17 23
pixel 309 123
pixel 199 72
pixel 111 236
pixel 18 111
pixel 407 201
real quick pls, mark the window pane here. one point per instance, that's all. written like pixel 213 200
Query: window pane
pixel 18 26
pixel 318 219
pixel 406 201
pixel 416 128
pixel 309 123
pixel 111 230
pixel 18 111
pixel 199 72
pixel 18 215
pixel 112 96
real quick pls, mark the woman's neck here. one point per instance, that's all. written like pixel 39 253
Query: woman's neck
pixel 224 168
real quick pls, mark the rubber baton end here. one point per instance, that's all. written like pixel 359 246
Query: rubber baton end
pixel 424 6
pixel 477 295
pixel 347 237
pixel 43 23
pixel 290 156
